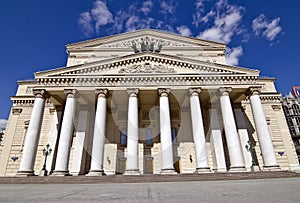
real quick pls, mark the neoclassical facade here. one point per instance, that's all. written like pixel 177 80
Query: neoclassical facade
pixel 291 109
pixel 146 102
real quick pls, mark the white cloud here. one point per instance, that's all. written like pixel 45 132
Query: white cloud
pixel 233 55
pixel 3 123
pixel 168 7
pixel 268 28
pixel 184 30
pixel 101 14
pixel 85 23
pixel 135 23
pixel 199 4
pixel 227 21
pixel 92 20
pixel 146 7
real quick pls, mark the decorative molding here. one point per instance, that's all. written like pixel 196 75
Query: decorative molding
pixel 194 91
pixel 163 92
pixel 143 57
pixel 224 91
pixel 254 90
pixel 71 93
pixel 26 123
pixel 133 92
pixel 276 107
pixel 40 93
pixel 17 111
pixel 102 93
pixel 139 80
pixel 147 40
pixel 147 68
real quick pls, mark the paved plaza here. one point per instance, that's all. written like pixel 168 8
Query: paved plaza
pixel 263 190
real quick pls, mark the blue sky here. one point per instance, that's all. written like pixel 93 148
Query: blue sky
pixel 260 34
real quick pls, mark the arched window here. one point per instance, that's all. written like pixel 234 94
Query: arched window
pixel 296 109
pixel 286 110
pixel 173 133
pixel 123 137
pixel 148 136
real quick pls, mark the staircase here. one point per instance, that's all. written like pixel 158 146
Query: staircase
pixel 146 178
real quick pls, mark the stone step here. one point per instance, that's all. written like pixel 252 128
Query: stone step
pixel 146 178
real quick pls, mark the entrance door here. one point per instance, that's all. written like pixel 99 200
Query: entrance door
pixel 121 165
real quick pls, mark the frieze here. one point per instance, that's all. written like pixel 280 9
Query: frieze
pixel 147 68
pixel 140 80
pixel 100 69
pixel 128 43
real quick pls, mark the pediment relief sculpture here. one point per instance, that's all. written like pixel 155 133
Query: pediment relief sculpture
pixel 147 68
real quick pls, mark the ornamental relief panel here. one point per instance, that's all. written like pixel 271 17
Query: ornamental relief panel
pixel 147 81
pixel 128 43
pixel 147 68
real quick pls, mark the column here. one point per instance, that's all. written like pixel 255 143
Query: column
pixel 165 133
pixel 198 131
pixel 232 138
pixel 99 135
pixel 244 136
pixel 53 138
pixel 263 134
pixel 132 167
pixel 33 134
pixel 66 133
pixel 80 142
pixel 216 140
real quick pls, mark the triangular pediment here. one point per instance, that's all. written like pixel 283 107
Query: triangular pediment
pixel 126 40
pixel 147 64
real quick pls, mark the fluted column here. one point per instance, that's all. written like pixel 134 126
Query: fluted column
pixel 99 135
pixel 263 134
pixel 132 167
pixel 198 131
pixel 233 143
pixel 33 134
pixel 66 133
pixel 165 133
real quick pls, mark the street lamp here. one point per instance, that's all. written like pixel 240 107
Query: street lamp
pixel 250 148
pixel 46 152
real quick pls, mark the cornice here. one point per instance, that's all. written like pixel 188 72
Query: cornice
pixel 146 32
pixel 146 80
pixel 174 61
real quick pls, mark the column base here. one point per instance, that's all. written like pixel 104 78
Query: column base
pixel 132 172
pixel 24 173
pixel 168 171
pixel 255 168
pixel 237 169
pixel 60 173
pixel 220 170
pixel 96 173
pixel 272 168
pixel 203 170
pixel 43 173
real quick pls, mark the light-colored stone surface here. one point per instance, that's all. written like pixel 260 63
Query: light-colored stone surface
pixel 260 191
pixel 183 63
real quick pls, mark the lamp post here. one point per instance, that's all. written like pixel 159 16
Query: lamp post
pixel 46 152
pixel 250 148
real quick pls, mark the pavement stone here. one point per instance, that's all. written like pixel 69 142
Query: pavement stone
pixel 258 190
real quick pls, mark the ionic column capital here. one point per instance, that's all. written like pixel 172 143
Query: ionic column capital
pixel 224 91
pixel 254 90
pixel 194 91
pixel 101 93
pixel 163 92
pixel 133 92
pixel 40 93
pixel 71 93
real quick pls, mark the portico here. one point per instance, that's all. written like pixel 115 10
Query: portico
pixel 166 104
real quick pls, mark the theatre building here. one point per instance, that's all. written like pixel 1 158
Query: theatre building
pixel 146 102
